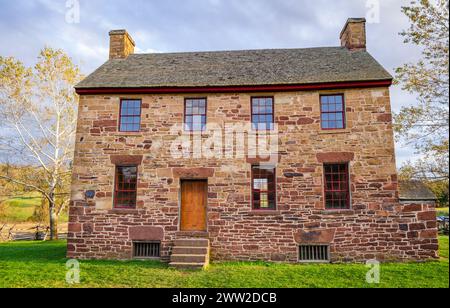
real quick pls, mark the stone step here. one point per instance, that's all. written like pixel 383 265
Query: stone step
pixel 190 250
pixel 188 258
pixel 189 266
pixel 192 243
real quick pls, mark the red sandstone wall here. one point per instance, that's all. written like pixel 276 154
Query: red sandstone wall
pixel 377 226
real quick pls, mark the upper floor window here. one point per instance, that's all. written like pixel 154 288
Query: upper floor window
pixel 195 114
pixel 263 188
pixel 332 111
pixel 125 192
pixel 130 115
pixel 262 113
pixel 337 186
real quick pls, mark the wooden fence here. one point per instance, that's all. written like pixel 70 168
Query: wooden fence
pixel 36 233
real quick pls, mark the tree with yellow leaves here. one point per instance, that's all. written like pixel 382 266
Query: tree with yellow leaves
pixel 38 111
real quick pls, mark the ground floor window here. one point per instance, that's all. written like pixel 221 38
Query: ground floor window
pixel 337 186
pixel 263 188
pixel 144 250
pixel 314 253
pixel 125 193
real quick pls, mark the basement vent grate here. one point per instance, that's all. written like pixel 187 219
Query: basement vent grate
pixel 314 253
pixel 146 250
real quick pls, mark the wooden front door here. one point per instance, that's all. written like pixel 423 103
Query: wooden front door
pixel 194 196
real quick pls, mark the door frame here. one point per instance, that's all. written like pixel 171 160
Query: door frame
pixel 180 203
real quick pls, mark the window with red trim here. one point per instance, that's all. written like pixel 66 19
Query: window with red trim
pixel 263 188
pixel 125 193
pixel 332 111
pixel 262 113
pixel 130 115
pixel 195 114
pixel 337 186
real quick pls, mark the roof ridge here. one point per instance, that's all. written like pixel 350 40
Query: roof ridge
pixel 237 50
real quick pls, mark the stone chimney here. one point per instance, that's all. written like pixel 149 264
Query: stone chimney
pixel 121 44
pixel 353 36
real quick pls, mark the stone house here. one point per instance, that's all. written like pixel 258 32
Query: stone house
pixel 152 179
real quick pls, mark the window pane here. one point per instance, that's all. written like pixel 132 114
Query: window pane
pixel 196 127
pixel 332 107
pixel 197 119
pixel 203 122
pixel 130 116
pixel 337 190
pixel 195 115
pixel 264 184
pixel 126 187
pixel 264 194
pixel 264 200
pixel 262 113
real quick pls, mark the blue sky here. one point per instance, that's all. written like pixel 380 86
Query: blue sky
pixel 26 26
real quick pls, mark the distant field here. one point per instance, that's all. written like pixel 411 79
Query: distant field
pixel 21 209
pixel 442 212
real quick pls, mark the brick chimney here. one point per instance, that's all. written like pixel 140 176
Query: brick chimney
pixel 121 44
pixel 353 36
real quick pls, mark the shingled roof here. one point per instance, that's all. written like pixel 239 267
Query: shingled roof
pixel 415 191
pixel 237 68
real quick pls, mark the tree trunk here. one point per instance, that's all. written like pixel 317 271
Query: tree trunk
pixel 53 219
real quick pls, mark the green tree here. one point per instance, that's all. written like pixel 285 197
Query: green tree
pixel 38 108
pixel 440 189
pixel 426 124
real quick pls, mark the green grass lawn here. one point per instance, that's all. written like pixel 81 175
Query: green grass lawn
pixel 30 264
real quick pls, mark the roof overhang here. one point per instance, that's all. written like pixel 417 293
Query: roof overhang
pixel 235 89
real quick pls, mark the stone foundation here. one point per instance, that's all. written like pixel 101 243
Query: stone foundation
pixel 392 233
